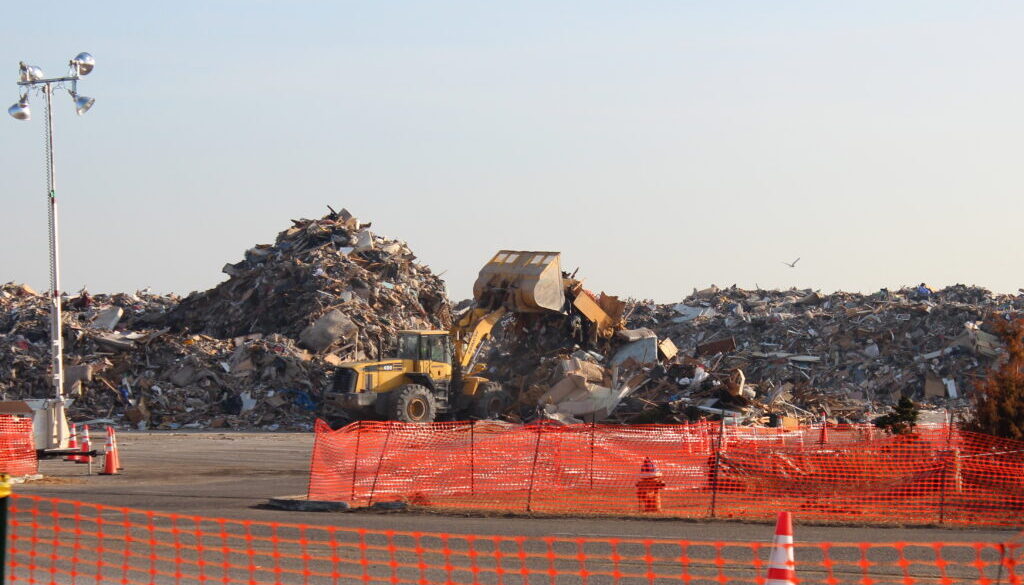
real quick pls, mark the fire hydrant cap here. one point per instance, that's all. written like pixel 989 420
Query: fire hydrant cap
pixel 649 469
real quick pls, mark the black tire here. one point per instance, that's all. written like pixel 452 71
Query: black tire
pixel 490 401
pixel 413 403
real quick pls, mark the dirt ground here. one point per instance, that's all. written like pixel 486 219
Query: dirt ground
pixel 233 474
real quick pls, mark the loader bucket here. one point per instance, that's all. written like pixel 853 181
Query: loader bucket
pixel 526 282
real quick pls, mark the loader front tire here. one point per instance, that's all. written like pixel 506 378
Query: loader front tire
pixel 413 403
pixel 491 401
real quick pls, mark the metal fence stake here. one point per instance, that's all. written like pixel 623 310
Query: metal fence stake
pixel 355 460
pixel 380 462
pixel 533 470
pixel 5 492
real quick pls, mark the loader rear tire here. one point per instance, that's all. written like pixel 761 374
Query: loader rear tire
pixel 413 403
pixel 491 401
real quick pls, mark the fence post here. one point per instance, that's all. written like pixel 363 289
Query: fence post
pixel 592 424
pixel 947 456
pixel 355 460
pixel 533 470
pixel 714 465
pixel 472 458
pixel 5 492
pixel 942 492
pixel 380 461
pixel 958 477
pixel 949 429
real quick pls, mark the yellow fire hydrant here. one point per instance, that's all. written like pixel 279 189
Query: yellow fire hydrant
pixel 648 487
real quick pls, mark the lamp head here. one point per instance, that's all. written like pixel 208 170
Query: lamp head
pixel 83 63
pixel 20 110
pixel 29 72
pixel 82 103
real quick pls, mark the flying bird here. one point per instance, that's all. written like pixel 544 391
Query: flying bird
pixel 792 264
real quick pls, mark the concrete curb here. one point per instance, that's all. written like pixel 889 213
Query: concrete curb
pixel 301 504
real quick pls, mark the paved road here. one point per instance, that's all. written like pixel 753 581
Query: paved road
pixel 229 475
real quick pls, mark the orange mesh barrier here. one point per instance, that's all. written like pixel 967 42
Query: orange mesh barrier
pixel 849 474
pixel 58 541
pixel 17 450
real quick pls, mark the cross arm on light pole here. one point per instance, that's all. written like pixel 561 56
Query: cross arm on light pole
pixel 48 81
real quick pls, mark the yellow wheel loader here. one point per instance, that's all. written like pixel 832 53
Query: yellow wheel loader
pixel 436 372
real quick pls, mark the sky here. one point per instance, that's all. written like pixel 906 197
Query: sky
pixel 660 146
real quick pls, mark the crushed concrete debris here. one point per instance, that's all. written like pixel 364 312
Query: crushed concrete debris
pixel 254 352
pixel 760 357
pixel 371 292
pixel 802 353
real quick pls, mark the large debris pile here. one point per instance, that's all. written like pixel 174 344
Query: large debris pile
pixel 256 351
pixel 361 287
pixel 800 353
pixel 758 357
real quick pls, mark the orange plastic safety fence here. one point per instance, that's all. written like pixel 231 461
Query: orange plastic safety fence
pixel 17 449
pixel 938 475
pixel 60 541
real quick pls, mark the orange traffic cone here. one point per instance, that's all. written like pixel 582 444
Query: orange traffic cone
pixel 648 487
pixel 72 444
pixel 117 450
pixel 781 563
pixel 823 438
pixel 86 447
pixel 109 458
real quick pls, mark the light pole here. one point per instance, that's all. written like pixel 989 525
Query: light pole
pixel 31 78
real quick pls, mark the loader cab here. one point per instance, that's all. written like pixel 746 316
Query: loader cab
pixel 430 352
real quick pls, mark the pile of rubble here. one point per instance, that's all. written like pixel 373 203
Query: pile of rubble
pixel 366 287
pixel 759 355
pixel 255 351
pixel 559 371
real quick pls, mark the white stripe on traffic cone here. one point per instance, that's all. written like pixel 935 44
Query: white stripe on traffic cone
pixel 72 444
pixel 781 563
pixel 109 457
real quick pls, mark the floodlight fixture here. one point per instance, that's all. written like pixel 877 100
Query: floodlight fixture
pixel 20 110
pixel 82 103
pixel 29 73
pixel 83 63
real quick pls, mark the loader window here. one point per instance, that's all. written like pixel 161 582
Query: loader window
pixel 436 348
pixel 408 346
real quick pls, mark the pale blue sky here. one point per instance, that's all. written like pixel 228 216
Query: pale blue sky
pixel 661 146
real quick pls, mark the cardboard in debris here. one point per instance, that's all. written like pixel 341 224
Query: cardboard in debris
pixel 716 347
pixel 933 386
pixel 667 349
pixel 586 305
